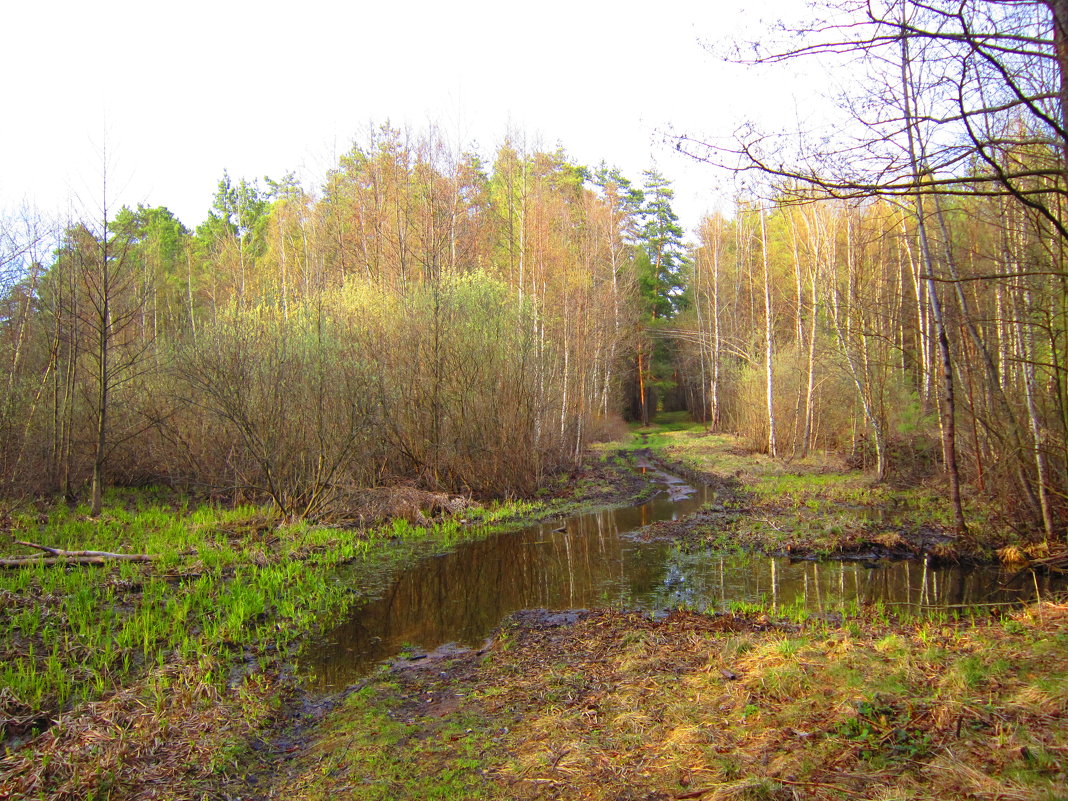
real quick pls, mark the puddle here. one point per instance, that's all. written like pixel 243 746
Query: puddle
pixel 459 598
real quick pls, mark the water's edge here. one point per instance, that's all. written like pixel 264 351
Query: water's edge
pixel 594 560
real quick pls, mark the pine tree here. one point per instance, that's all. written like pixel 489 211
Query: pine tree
pixel 661 280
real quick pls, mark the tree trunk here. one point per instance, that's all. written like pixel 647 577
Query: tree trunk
pixel 949 433
pixel 769 342
pixel 716 342
pixel 103 321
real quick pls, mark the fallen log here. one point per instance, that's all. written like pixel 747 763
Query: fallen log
pixel 68 560
pixel 60 556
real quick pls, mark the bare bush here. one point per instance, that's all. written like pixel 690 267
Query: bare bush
pixel 295 393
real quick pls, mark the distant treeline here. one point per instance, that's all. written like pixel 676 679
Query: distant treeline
pixel 422 317
pixel 427 318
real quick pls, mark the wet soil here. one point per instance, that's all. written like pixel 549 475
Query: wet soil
pixel 603 704
pixel 867 541
pixel 615 480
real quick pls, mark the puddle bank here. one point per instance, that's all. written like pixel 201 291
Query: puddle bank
pixel 600 560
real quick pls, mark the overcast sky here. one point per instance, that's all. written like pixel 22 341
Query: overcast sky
pixel 179 92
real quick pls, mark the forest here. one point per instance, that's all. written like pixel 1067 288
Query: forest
pixel 426 317
pixel 423 318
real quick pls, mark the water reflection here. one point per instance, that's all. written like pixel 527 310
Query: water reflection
pixel 463 595
pixel 706 580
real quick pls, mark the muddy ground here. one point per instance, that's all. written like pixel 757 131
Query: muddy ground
pixel 624 706
pixel 727 522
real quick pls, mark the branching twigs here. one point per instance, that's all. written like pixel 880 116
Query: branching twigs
pixel 1058 562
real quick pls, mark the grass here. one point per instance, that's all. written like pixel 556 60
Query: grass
pixel 716 707
pixel 174 729
pixel 370 752
pixel 817 505
pixel 84 641
pixel 226 581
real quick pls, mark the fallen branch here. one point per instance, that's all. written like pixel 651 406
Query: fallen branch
pixel 1058 562
pixel 60 556
pixel 132 557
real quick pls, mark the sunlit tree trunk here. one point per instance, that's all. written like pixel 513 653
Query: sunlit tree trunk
pixel 769 340
pixel 993 379
pixel 717 345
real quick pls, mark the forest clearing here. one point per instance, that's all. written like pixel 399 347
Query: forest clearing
pixel 461 467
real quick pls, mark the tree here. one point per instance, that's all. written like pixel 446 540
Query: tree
pixel 662 282
pixel 988 77
pixel 23 243
pixel 958 102
pixel 158 243
pixel 619 232
pixel 114 301
pixel 235 230
pixel 288 237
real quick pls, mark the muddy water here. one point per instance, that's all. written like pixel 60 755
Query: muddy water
pixel 594 560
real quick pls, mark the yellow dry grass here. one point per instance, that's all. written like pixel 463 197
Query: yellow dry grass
pixel 691 712
pixel 620 706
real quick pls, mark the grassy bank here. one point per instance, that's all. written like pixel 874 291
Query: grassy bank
pixel 818 506
pixel 129 657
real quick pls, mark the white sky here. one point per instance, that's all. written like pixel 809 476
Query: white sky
pixel 181 91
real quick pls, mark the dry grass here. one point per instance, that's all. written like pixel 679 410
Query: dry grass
pixel 167 736
pixel 381 504
pixel 618 706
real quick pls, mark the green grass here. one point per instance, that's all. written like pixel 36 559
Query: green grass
pixel 71 634
pixel 815 505
pixel 227 581
pixel 421 754
pixel 220 614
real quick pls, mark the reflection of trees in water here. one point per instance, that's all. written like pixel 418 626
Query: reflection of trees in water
pixel 463 595
pixel 713 581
